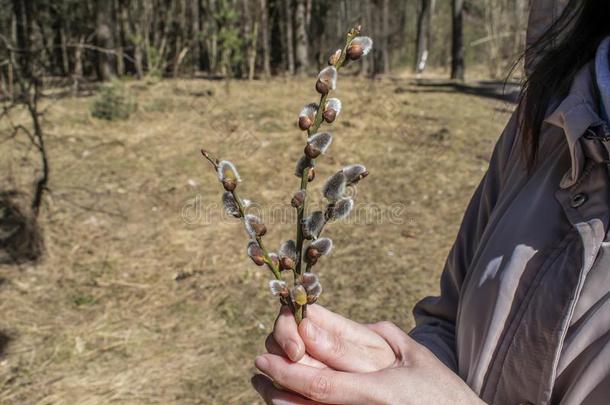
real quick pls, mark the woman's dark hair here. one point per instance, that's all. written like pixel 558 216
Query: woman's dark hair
pixel 557 56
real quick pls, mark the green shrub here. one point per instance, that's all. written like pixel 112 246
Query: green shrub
pixel 113 103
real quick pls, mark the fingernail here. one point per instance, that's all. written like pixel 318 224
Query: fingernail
pixel 313 331
pixel 261 363
pixel 292 350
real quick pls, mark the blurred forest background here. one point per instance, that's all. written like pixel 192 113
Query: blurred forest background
pixel 120 278
pixel 99 39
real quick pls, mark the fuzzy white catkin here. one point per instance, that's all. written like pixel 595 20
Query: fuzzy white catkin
pixel 229 203
pixel 314 223
pixel 320 141
pixel 308 279
pixel 365 42
pixel 288 249
pixel 335 186
pixel 277 287
pixel 227 170
pixel 303 163
pixel 335 104
pixel 309 110
pixel 322 245
pixel 353 172
pixel 250 220
pixel 328 75
pixel 342 208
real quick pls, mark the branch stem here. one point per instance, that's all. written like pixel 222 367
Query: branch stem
pixel 242 214
pixel 301 211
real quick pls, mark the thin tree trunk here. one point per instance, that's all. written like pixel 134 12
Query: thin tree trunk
pixel 195 35
pixel 386 36
pixel 366 11
pixel 119 35
pixel 43 179
pixel 64 50
pixel 213 41
pixel 302 43
pixel 457 43
pixel 23 35
pixel 265 38
pixel 289 35
pixel 308 8
pixel 77 75
pixel 138 39
pixel 253 51
pixel 423 30
pixel 103 33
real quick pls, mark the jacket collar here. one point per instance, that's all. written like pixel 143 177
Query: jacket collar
pixel 575 114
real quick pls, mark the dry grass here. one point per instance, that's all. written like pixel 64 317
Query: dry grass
pixel 103 319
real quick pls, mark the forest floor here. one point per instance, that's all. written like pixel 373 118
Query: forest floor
pixel 145 294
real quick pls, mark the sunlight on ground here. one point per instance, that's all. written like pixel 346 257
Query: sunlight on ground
pixel 146 295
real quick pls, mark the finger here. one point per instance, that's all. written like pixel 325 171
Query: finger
pixel 343 344
pixel 272 395
pixel 344 327
pixel 274 348
pixel 327 386
pixel 398 340
pixel 286 334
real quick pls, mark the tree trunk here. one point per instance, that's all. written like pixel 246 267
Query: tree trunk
pixel 386 36
pixel 138 39
pixel 302 43
pixel 265 38
pixel 289 36
pixel 366 12
pixel 195 35
pixel 77 76
pixel 23 30
pixel 423 35
pixel 120 35
pixel 103 34
pixel 253 50
pixel 457 42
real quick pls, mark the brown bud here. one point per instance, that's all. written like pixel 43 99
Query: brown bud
pixel 321 87
pixel 256 253
pixel 229 184
pixel 329 115
pixel 312 256
pixel 258 260
pixel 364 174
pixel 311 174
pixel 311 152
pixel 334 57
pixel 286 263
pixel 259 229
pixel 354 52
pixel 304 123
pixel 358 28
pixel 298 198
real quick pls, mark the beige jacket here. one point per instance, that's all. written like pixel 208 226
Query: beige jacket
pixel 524 310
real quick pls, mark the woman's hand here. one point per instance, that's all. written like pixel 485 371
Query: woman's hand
pixel 331 359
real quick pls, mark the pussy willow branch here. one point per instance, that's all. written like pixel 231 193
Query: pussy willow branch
pixel 317 122
pixel 299 311
pixel 242 213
